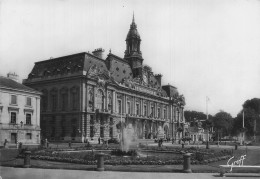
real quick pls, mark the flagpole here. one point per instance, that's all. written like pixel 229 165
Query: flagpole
pixel 243 126
pixel 243 119
pixel 207 107
pixel 207 119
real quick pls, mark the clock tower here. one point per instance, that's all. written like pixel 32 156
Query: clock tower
pixel 132 53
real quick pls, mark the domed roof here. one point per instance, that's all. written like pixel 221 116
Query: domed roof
pixel 133 33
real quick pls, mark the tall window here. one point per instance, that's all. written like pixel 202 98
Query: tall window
pixel 102 131
pixel 92 126
pixel 100 100
pixel 159 112
pixel 44 100
pixel 165 113
pixel 13 99
pixel 63 102
pixel 111 123
pixel 52 125
pixel 128 107
pixel 91 98
pixel 145 110
pixel 119 106
pixel 111 132
pixel 91 131
pixel 109 101
pixel 28 119
pixel 63 126
pixel 13 118
pixel 54 102
pixel 74 101
pixel 137 109
pixel 152 111
pixel 73 127
pixel 74 98
pixel 54 99
pixel 29 101
pixel 177 115
pixel 64 99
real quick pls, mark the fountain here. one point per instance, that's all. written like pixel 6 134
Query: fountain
pixel 126 136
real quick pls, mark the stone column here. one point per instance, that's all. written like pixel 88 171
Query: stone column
pixel 87 126
pixel 94 96
pixel 114 102
pixel 134 100
pixel 148 108
pixel 142 106
pixel 143 132
pixel 83 127
pixel 124 103
pixel 83 96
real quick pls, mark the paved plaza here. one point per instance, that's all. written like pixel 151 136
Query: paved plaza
pixel 30 173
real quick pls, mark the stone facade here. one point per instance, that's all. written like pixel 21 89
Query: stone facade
pixel 87 97
pixel 19 113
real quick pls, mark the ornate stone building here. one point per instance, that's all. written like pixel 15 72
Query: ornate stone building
pixel 86 96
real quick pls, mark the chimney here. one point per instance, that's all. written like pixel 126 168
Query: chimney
pixel 158 77
pixel 98 52
pixel 13 76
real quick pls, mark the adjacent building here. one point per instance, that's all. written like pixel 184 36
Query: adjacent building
pixel 19 112
pixel 86 96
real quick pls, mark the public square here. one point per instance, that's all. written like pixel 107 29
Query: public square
pixel 129 89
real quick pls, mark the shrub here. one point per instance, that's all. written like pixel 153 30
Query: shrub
pixel 199 156
pixel 119 152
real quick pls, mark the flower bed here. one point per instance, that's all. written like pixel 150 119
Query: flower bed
pixel 88 158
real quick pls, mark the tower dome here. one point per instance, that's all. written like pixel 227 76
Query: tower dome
pixel 133 33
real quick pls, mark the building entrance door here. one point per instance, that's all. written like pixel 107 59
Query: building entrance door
pixel 13 138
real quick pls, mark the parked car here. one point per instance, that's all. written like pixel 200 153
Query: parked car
pixel 113 140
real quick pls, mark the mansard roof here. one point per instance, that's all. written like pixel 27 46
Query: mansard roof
pixel 170 90
pixel 66 65
pixel 11 84
pixel 117 70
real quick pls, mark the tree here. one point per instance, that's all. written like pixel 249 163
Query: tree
pixel 223 122
pixel 249 117
pixel 251 110
pixel 253 104
pixel 191 116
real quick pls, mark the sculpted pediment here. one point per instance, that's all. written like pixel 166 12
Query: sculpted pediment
pixel 102 77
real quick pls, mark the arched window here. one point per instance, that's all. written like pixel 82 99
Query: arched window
pixel 152 110
pixel 91 98
pixel 109 101
pixel 63 126
pixel 64 99
pixel 177 115
pixel 44 100
pixel 53 126
pixel 137 108
pixel 159 112
pixel 165 113
pixel 73 127
pixel 100 99
pixel 74 98
pixel 54 99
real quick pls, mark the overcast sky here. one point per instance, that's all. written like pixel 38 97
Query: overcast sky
pixel 204 48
